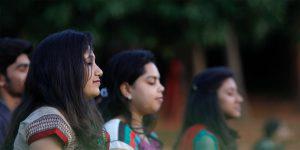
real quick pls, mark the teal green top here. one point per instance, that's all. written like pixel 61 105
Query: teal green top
pixel 205 140
pixel 268 144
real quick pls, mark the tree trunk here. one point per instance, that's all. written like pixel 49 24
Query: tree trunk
pixel 198 58
pixel 295 29
pixel 297 61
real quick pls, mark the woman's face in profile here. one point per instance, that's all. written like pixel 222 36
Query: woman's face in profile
pixel 147 91
pixel 230 99
pixel 92 75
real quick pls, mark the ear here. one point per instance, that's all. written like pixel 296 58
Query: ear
pixel 125 90
pixel 2 80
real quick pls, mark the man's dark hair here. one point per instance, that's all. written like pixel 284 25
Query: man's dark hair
pixel 10 49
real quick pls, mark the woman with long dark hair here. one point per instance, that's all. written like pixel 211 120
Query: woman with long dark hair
pixel 213 99
pixel 57 111
pixel 132 94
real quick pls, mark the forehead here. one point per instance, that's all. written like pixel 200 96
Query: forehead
pixel 22 58
pixel 229 83
pixel 151 70
pixel 88 53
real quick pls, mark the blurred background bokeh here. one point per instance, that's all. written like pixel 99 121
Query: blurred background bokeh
pixel 258 39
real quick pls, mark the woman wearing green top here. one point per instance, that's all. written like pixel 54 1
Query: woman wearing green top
pixel 213 99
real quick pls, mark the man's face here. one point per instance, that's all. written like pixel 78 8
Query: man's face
pixel 16 74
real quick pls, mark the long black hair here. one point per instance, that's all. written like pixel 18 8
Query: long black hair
pixel 126 66
pixel 57 76
pixel 203 106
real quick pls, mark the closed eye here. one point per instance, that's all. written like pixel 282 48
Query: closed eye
pixel 22 67
pixel 151 82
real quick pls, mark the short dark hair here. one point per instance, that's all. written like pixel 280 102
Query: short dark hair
pixel 10 49
pixel 271 126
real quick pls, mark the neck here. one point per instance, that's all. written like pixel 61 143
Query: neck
pixel 11 102
pixel 137 120
pixel 137 125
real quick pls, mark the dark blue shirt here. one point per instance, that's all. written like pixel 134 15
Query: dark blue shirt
pixel 5 116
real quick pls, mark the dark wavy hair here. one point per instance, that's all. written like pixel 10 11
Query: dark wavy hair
pixel 126 66
pixel 203 107
pixel 57 76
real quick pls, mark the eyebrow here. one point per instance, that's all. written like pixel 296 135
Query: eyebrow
pixel 22 65
pixel 232 89
pixel 152 76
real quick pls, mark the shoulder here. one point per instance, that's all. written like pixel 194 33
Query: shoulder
pixel 112 127
pixel 186 141
pixel 265 144
pixel 118 130
pixel 4 121
pixel 42 111
pixel 5 114
pixel 205 133
pixel 154 135
pixel 115 129
pixel 205 140
pixel 45 122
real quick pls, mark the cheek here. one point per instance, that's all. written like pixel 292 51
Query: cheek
pixel 91 90
pixel 86 88
pixel 22 77
pixel 140 97
pixel 144 100
pixel 229 107
pixel 18 76
pixel 226 103
pixel 17 80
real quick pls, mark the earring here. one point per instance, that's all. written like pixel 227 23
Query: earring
pixel 129 97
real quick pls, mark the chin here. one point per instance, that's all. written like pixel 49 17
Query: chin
pixel 238 115
pixel 96 92
pixel 232 116
pixel 92 95
pixel 156 109
pixel 95 95
pixel 153 111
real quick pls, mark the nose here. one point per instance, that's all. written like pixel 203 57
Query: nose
pixel 98 71
pixel 161 87
pixel 239 98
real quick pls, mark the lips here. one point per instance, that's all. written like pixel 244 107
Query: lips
pixel 98 82
pixel 160 99
pixel 238 108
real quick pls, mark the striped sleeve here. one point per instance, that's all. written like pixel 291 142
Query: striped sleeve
pixel 49 125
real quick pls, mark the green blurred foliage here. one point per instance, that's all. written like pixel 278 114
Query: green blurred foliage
pixel 141 23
